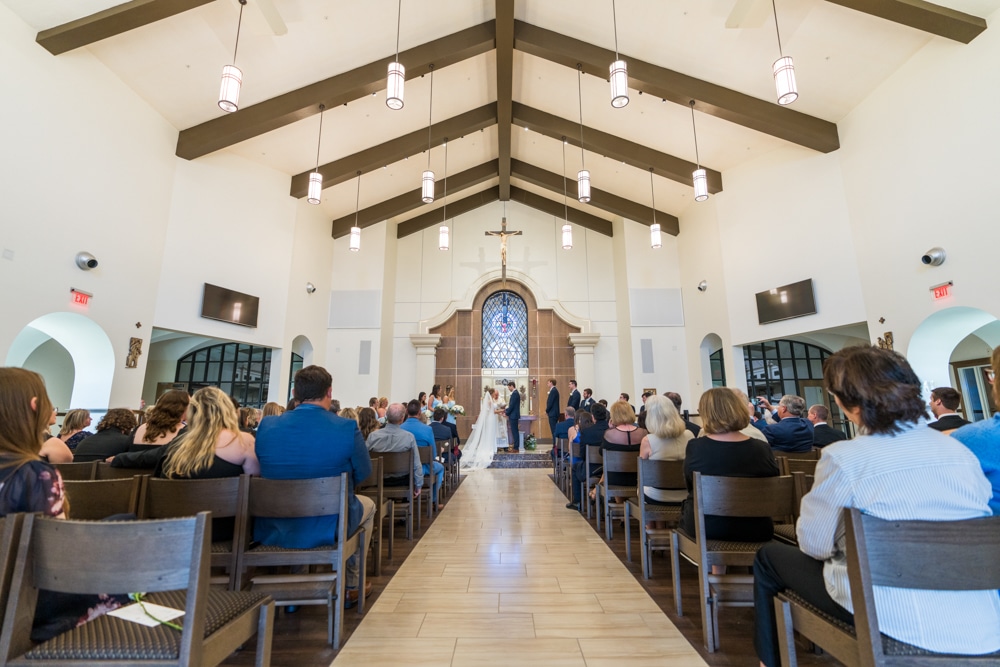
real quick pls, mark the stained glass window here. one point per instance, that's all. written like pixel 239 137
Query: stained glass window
pixel 505 331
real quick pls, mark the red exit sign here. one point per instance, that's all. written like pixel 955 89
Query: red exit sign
pixel 942 291
pixel 80 297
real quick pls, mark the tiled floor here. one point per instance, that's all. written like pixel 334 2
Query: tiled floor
pixel 507 575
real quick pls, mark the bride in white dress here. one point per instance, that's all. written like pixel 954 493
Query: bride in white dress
pixel 483 442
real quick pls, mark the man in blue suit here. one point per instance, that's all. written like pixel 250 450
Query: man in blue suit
pixel 790 431
pixel 552 408
pixel 574 396
pixel 513 413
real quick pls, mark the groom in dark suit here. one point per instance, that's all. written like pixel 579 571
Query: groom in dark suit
pixel 513 413
pixel 552 408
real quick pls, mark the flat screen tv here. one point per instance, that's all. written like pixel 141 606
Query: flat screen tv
pixel 219 303
pixel 784 303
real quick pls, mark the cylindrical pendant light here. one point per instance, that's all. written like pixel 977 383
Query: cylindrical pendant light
pixel 444 238
pixel 356 230
pixel 618 70
pixel 232 76
pixel 655 236
pixel 783 69
pixel 427 180
pixel 567 229
pixel 315 178
pixel 397 73
pixel 699 177
pixel 582 176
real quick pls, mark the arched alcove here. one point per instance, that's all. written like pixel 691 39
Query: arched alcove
pixel 87 345
pixel 713 366
pixel 933 342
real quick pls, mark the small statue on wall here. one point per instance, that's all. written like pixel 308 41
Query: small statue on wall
pixel 886 342
pixel 134 350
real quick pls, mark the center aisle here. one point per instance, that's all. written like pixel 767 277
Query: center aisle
pixel 507 574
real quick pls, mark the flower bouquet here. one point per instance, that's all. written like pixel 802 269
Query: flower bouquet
pixel 457 410
pixel 428 415
pixel 530 442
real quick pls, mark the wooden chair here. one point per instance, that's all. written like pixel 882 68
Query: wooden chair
pixel 788 465
pixel 665 475
pixel 77 471
pixel 395 465
pixel 928 555
pixel 225 498
pixel 594 456
pixel 558 460
pixel 456 466
pixel 297 498
pixel 441 447
pixel 734 497
pixel 167 559
pixel 373 487
pixel 10 537
pixel 98 499
pixel 104 470
pixel 578 452
pixel 430 479
pixel 621 463
pixel 785 532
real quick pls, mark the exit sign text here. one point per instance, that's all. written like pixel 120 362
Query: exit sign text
pixel 942 291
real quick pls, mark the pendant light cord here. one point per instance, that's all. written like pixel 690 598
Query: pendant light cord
pixel 239 23
pixel 430 117
pixel 652 194
pixel 565 200
pixel 319 140
pixel 444 209
pixel 579 90
pixel 357 201
pixel 399 14
pixel 694 130
pixel 614 20
pixel 776 30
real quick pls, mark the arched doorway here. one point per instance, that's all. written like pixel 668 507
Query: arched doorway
pixel 46 340
pixel 713 362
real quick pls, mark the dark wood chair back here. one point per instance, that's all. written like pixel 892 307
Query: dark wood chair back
pixel 743 496
pixel 94 500
pixel 660 474
pixel 77 471
pixel 373 487
pixel 788 465
pixel 104 470
pixel 430 479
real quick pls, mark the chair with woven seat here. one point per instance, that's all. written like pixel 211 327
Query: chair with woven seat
pixel 77 471
pixel 925 555
pixel 94 500
pixel 373 487
pixel 666 476
pixel 167 559
pixel 300 498
pixel 771 497
pixel 616 463
pixel 398 466
pixel 225 498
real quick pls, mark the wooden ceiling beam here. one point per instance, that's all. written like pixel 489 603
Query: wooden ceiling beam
pixel 599 199
pixel 735 107
pixel 410 201
pixel 394 150
pixel 304 102
pixel 505 87
pixel 925 16
pixel 455 209
pixel 636 155
pixel 110 22
pixel 554 208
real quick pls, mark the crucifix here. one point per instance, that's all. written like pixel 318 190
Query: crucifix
pixel 503 234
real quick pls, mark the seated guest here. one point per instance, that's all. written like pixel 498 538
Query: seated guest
pixel 666 441
pixel 983 437
pixel 307 443
pixel 114 436
pixel 562 430
pixel 584 419
pixel 789 431
pixel 690 425
pixel 73 424
pixel 392 438
pixel 248 420
pixel 446 431
pixel 271 409
pixel 425 438
pixel 944 402
pixel 349 413
pixel 622 436
pixel 383 404
pixel 367 422
pixel 823 433
pixel 334 406
pixel 750 430
pixel 725 452
pixel 163 422
pixel 592 435
pixel 899 470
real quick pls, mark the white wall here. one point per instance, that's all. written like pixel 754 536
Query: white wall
pixel 53 362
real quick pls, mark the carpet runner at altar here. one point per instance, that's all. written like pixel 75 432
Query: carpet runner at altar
pixel 525 460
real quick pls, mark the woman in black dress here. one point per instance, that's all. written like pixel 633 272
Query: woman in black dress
pixel 723 451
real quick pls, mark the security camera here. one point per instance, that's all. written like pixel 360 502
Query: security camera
pixel 934 257
pixel 86 261
pixel 310 288
pixel 703 286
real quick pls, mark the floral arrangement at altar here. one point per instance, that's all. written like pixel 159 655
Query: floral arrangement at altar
pixel 530 442
pixel 457 410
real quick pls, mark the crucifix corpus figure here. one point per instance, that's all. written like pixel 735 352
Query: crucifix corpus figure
pixel 503 234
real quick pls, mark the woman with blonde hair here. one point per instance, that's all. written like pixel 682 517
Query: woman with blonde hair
pixel 163 422
pixel 349 413
pixel 383 405
pixel 666 440
pixel 622 436
pixel 72 432
pixel 272 409
pixel 213 445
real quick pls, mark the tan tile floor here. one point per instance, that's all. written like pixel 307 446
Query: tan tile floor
pixel 507 575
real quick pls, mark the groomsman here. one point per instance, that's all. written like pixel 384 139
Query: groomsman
pixel 588 399
pixel 574 396
pixel 552 408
